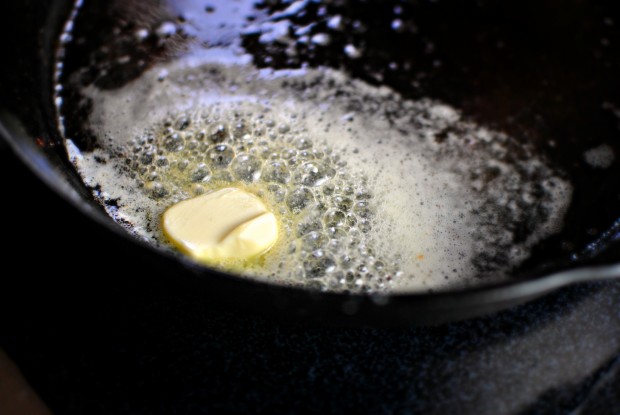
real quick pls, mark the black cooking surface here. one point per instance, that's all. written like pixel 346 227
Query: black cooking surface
pixel 540 71
pixel 97 332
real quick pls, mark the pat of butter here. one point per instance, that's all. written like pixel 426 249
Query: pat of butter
pixel 228 224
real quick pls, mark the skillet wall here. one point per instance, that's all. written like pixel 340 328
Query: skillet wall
pixel 545 72
pixel 551 84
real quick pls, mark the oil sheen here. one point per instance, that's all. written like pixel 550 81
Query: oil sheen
pixel 372 192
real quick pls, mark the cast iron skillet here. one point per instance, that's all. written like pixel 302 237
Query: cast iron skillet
pixel 546 71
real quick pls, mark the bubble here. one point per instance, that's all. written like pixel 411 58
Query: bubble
pixel 198 189
pixel 305 155
pixel 365 250
pixel 246 167
pixel 362 193
pixel 314 174
pixel 173 142
pixel 346 189
pixel 303 143
pixel 346 261
pixel 329 189
pixel 289 153
pixel 313 241
pixel 162 161
pixel 200 135
pixel 341 202
pixel 309 224
pixel 336 233
pixel 240 131
pixel 335 219
pixel 156 190
pixel 182 165
pixel 220 155
pixel 223 176
pixel 278 192
pixel 201 173
pixel 299 198
pixel 276 171
pixel 318 264
pixel 362 209
pixel 317 154
pixel 182 123
pixel 365 225
pixel 218 133
pixel 152 176
pixel 147 158
pixel 316 285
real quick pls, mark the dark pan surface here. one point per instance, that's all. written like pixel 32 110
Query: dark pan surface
pixel 543 71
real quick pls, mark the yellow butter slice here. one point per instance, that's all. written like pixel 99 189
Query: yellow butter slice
pixel 228 224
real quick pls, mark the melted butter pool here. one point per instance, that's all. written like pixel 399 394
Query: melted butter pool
pixel 374 192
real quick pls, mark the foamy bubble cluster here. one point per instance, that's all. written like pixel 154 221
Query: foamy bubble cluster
pixel 374 191
pixel 325 212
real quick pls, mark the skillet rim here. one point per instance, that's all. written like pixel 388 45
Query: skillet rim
pixel 453 303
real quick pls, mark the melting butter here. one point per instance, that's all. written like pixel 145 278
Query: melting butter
pixel 226 225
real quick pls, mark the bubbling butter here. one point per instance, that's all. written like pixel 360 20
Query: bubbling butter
pixel 372 192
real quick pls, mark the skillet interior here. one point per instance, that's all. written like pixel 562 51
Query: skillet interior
pixel 543 71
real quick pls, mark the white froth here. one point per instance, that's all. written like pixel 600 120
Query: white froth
pixel 443 205
pixel 600 157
